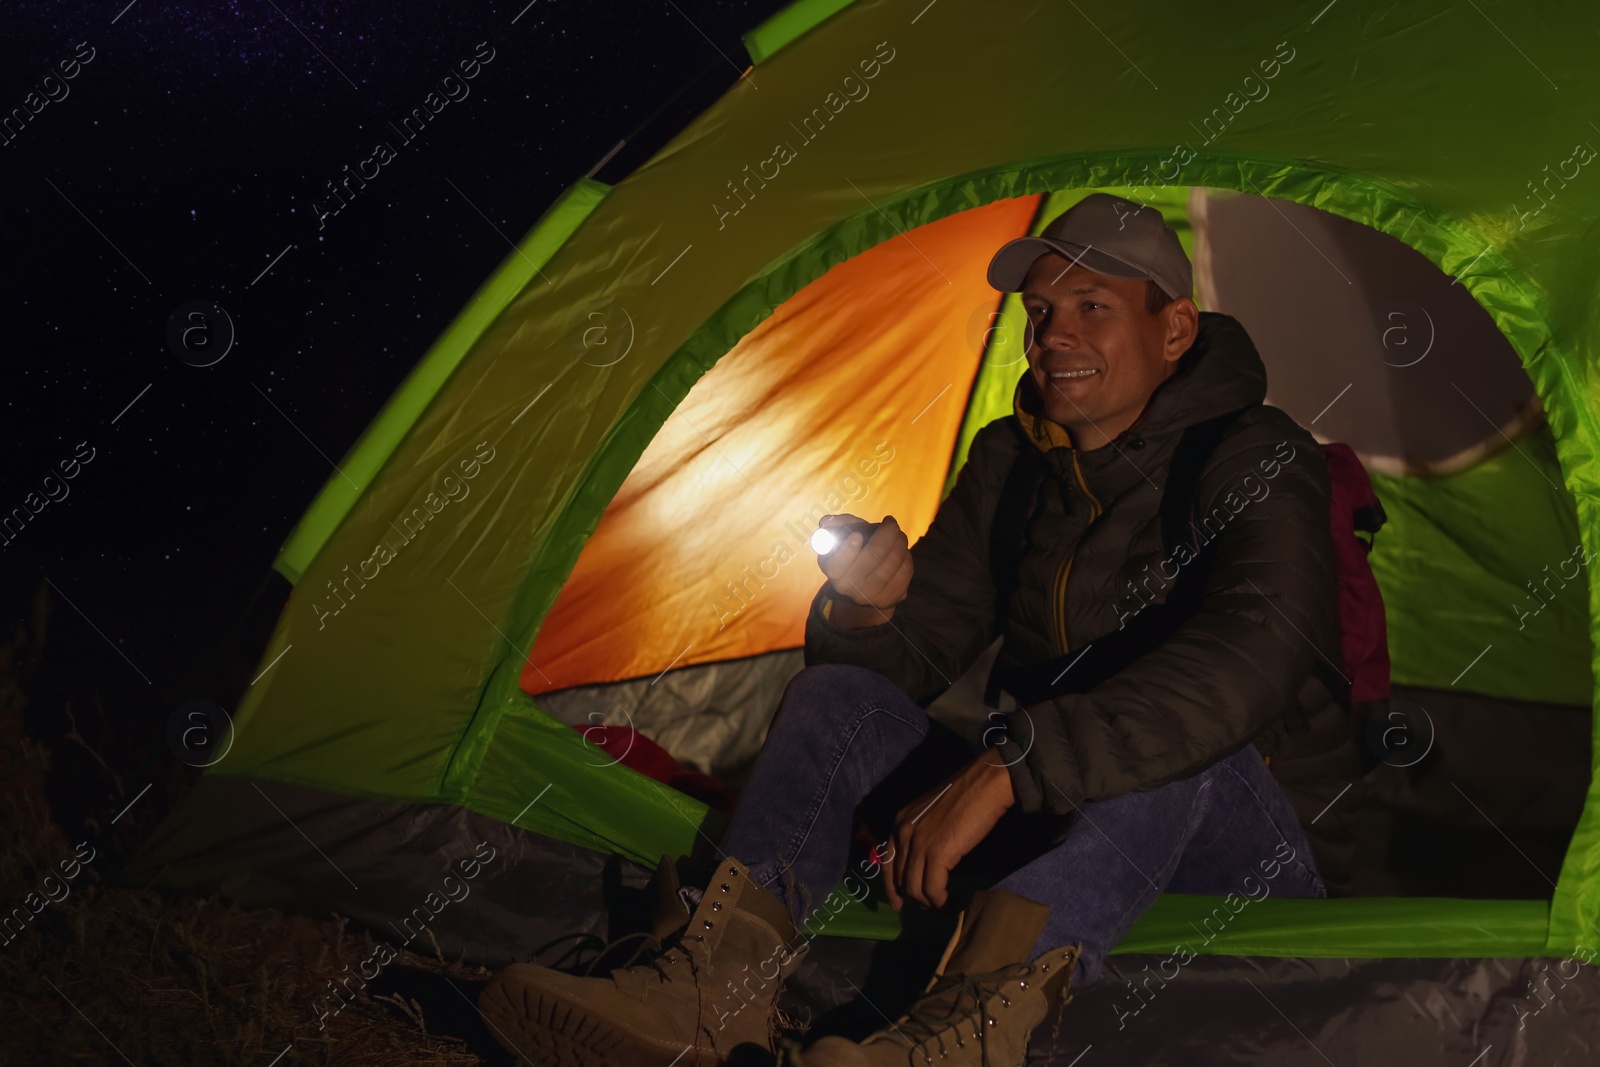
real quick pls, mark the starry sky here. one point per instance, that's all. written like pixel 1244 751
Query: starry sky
pixel 178 159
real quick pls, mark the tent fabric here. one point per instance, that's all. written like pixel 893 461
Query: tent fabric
pixel 713 716
pixel 845 399
pixel 787 26
pixel 424 382
pixel 395 672
pixel 1445 759
pixel 1161 999
pixel 1482 573
pixel 1439 388
pixel 251 839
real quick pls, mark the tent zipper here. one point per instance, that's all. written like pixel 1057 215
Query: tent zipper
pixel 1059 597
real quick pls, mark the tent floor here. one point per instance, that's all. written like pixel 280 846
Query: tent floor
pixel 380 861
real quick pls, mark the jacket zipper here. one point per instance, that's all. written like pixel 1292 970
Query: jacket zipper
pixel 1060 592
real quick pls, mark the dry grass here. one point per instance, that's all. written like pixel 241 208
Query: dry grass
pixel 114 975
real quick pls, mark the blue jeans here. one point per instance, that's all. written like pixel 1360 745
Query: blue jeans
pixel 845 738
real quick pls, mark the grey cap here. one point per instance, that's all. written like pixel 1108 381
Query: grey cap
pixel 1106 234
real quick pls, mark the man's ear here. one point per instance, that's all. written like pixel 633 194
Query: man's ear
pixel 1182 327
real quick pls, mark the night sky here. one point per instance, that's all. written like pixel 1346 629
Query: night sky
pixel 184 160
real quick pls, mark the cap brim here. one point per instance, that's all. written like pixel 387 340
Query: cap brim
pixel 1009 267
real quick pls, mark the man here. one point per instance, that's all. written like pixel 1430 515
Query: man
pixel 1153 684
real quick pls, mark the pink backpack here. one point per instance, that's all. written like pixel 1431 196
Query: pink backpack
pixel 1361 680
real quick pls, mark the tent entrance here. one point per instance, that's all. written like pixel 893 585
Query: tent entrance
pixel 683 616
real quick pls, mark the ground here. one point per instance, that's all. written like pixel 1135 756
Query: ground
pixel 110 974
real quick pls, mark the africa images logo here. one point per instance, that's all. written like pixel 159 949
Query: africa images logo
pixel 855 89
pixel 449 488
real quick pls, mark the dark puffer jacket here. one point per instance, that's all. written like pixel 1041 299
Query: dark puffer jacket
pixel 1219 679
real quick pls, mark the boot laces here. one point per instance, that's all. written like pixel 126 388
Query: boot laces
pixel 951 1005
pixel 659 951
pixel 572 956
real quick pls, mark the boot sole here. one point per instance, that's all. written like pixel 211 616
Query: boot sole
pixel 549 1031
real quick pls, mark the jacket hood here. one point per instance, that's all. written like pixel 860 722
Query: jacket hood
pixel 1220 372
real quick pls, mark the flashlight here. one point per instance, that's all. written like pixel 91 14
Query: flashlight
pixel 828 538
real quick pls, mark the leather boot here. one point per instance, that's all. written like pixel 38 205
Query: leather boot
pixel 982 1004
pixel 713 989
pixel 669 914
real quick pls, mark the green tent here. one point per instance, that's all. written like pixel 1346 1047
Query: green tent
pixel 586 504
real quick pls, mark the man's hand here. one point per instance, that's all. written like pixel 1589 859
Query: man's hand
pixel 935 831
pixel 868 578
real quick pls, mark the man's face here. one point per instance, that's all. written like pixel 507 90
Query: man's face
pixel 1095 353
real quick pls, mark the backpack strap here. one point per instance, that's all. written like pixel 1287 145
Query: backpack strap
pixel 1179 496
pixel 1179 507
pixel 1369 519
pixel 1008 535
